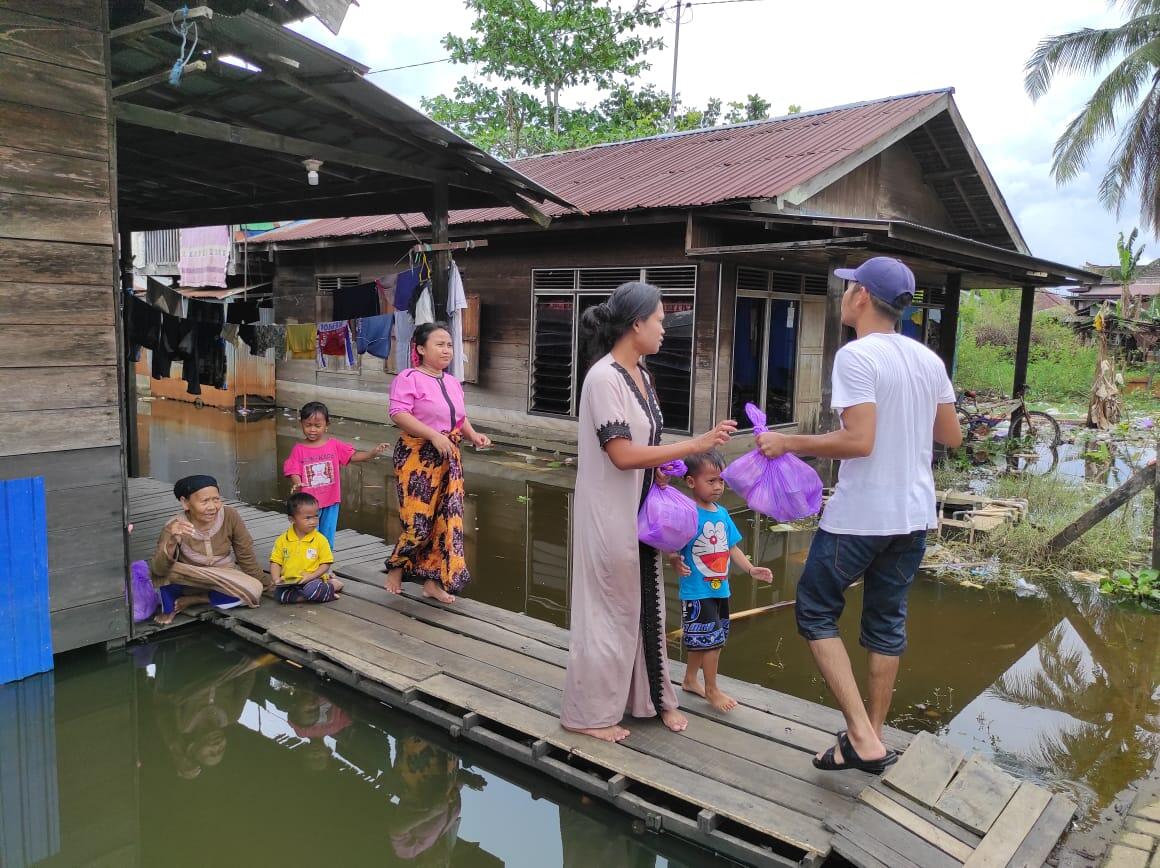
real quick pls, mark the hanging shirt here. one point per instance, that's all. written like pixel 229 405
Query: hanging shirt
pixel 334 340
pixel 404 331
pixel 405 284
pixel 385 286
pixel 242 312
pixel 374 335
pixel 456 304
pixel 264 336
pixel 707 555
pixel 319 467
pixel 302 340
pixel 435 401
pixel 142 323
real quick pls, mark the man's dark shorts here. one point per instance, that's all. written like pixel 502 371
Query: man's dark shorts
pixel 836 561
pixel 705 623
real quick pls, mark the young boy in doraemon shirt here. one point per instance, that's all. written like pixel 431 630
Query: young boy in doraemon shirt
pixel 703 566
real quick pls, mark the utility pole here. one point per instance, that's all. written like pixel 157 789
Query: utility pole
pixel 676 55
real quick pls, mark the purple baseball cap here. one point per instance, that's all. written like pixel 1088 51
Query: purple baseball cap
pixel 883 276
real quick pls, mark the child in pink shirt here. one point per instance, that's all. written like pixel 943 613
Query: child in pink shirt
pixel 315 466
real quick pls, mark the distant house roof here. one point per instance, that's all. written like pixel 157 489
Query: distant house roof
pixel 790 157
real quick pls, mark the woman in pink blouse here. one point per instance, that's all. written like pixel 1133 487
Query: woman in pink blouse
pixel 427 403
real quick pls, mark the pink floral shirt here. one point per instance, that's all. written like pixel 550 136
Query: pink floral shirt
pixel 319 466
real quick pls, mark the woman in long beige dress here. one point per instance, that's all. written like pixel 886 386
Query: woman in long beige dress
pixel 618 662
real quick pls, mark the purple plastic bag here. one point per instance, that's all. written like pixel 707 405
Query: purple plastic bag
pixel 667 519
pixel 784 488
pixel 142 595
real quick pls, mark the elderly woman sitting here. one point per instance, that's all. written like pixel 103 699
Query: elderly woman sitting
pixel 205 554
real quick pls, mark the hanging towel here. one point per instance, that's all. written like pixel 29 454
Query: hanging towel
pixel 385 286
pixel 423 309
pixel 334 340
pixel 302 340
pixel 456 304
pixel 374 335
pixel 356 302
pixel 205 253
pixel 162 297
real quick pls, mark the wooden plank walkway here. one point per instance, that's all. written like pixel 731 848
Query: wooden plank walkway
pixel 740 783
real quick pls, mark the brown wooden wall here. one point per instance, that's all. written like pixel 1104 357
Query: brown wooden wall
pixel 501 275
pixel 58 332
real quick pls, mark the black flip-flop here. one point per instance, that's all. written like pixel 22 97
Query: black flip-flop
pixel 851 760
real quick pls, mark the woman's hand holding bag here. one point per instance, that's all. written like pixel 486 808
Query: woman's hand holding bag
pixel 667 519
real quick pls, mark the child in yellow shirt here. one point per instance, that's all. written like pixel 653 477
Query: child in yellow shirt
pixel 301 560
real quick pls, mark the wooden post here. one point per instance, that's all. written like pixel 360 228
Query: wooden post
pixel 1156 514
pixel 132 461
pixel 949 326
pixel 442 258
pixel 831 341
pixel 1140 480
pixel 1023 340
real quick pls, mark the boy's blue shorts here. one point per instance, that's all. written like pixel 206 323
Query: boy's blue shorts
pixel 836 561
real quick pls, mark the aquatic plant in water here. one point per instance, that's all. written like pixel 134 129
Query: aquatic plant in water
pixel 1141 585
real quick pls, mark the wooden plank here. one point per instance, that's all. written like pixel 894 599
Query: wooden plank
pixel 1048 829
pixel 89 624
pixel 925 769
pixel 40 217
pixel 977 795
pixel 966 836
pixel 36 129
pixel 1013 825
pixel 64 347
pixel 766 818
pixel 48 86
pixel 856 854
pixel 85 13
pixel 85 584
pixel 57 388
pixel 55 262
pixel 51 41
pixel 907 847
pixel 85 505
pixel 37 431
pixel 63 470
pixel 916 824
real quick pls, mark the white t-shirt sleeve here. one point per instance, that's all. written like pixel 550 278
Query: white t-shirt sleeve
pixel 946 391
pixel 854 380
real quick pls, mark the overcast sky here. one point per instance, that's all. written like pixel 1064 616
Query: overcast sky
pixel 827 54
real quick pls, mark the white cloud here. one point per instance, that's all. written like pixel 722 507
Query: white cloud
pixel 843 51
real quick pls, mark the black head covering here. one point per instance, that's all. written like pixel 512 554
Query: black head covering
pixel 190 484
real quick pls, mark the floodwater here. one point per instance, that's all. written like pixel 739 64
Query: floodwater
pixel 198 749
pixel 1058 685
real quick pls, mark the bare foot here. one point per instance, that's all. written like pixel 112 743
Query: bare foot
pixel 612 733
pixel 674 720
pixel 693 687
pixel 433 589
pixel 179 606
pixel 720 700
pixel 394 582
pixel 337 585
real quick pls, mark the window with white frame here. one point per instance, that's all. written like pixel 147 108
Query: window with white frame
pixel 560 297
pixel 327 285
pixel 765 341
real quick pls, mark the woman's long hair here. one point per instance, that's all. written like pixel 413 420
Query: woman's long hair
pixel 606 323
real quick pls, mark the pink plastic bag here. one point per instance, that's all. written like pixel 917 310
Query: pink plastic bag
pixel 667 519
pixel 784 488
pixel 143 597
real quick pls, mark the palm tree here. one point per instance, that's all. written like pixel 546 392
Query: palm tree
pixel 1132 85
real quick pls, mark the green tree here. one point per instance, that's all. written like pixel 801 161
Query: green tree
pixel 753 109
pixel 553 45
pixel 509 123
pixel 794 109
pixel 1132 86
pixel 1129 263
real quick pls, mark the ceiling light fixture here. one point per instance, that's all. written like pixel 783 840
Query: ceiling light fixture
pixel 312 167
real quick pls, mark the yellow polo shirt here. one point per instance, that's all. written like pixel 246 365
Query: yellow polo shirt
pixel 299 556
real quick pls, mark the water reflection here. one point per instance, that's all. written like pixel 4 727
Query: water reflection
pixel 994 672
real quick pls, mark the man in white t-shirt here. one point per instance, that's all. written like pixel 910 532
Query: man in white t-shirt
pixel 894 399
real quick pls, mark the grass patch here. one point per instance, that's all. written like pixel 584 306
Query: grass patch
pixel 1121 541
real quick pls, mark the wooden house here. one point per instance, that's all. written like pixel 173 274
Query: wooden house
pixel 95 143
pixel 740 226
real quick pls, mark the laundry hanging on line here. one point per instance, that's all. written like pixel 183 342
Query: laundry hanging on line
pixel 356 302
pixel 302 340
pixel 205 256
pixel 335 339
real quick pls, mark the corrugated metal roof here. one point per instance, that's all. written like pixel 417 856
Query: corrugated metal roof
pixel 758 160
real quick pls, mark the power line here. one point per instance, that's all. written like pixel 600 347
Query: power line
pixel 410 65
